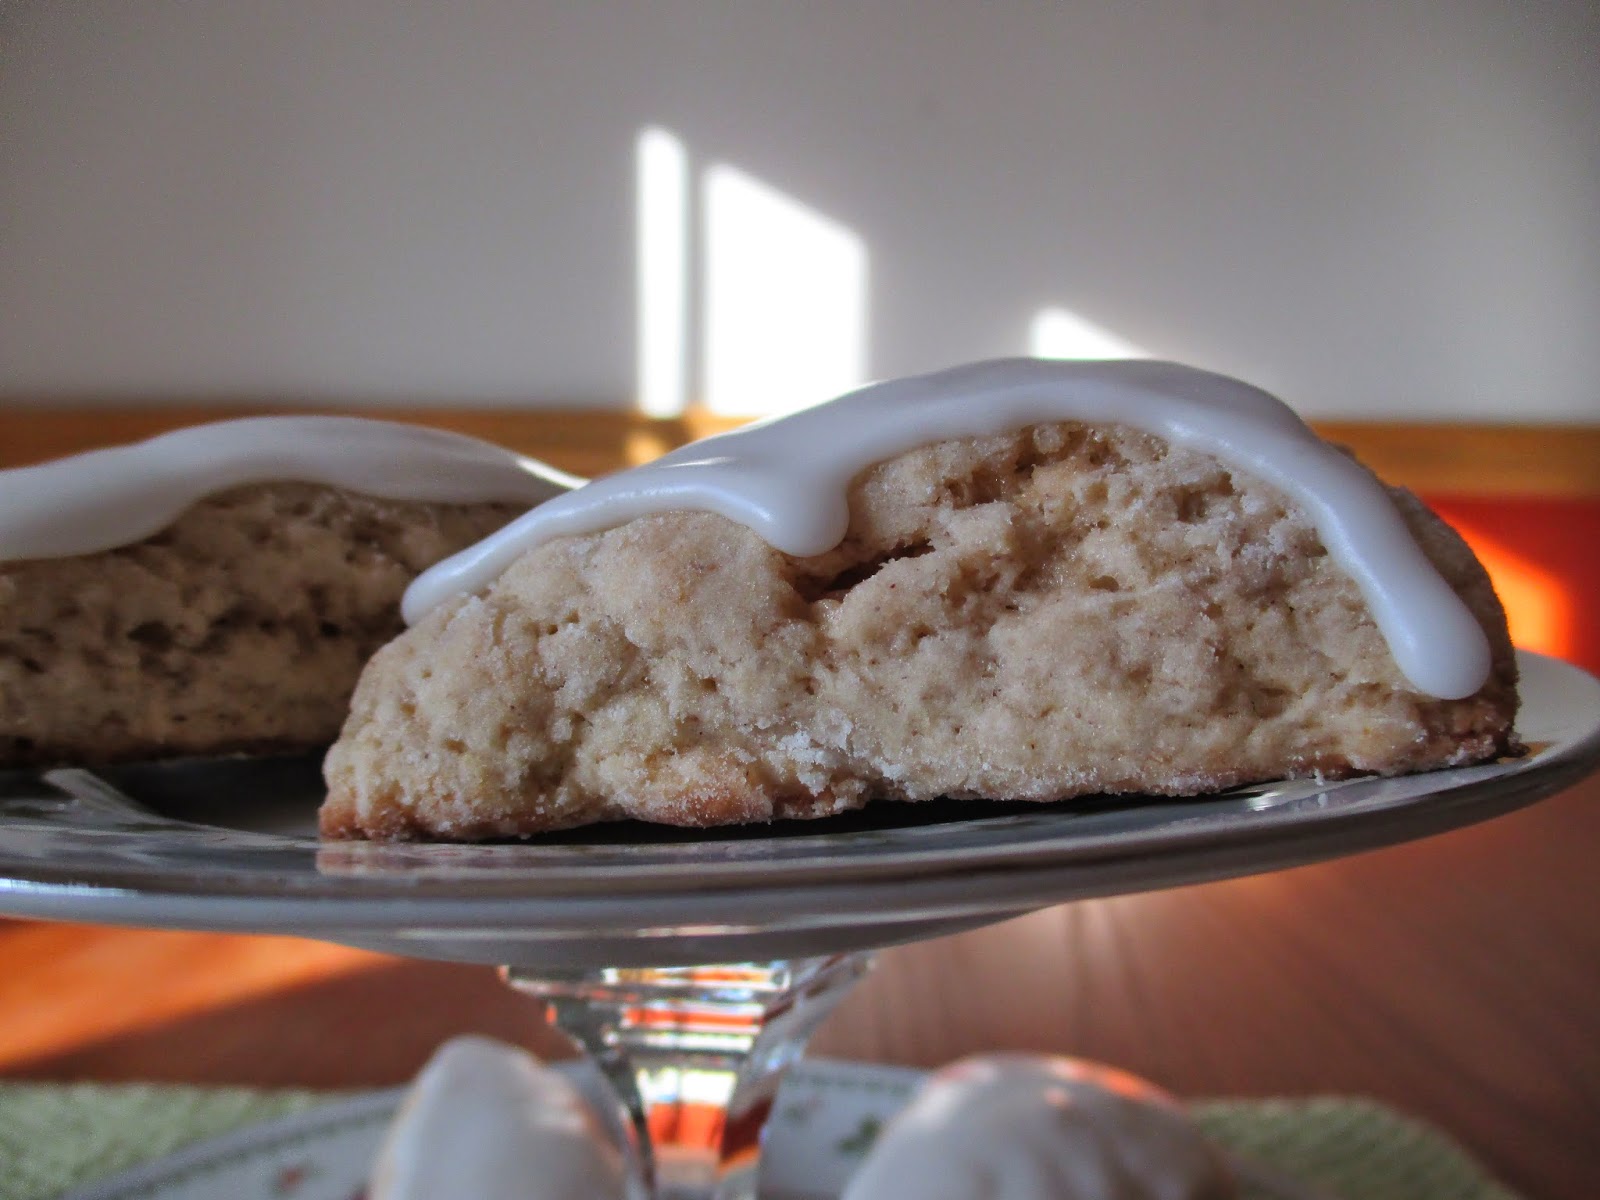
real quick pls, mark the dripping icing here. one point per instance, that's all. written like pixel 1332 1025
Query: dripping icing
pixel 115 497
pixel 788 479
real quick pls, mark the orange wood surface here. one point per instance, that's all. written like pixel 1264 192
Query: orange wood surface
pixel 1477 459
pixel 1457 978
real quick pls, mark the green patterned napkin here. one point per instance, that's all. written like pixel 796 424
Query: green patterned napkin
pixel 1349 1148
pixel 54 1137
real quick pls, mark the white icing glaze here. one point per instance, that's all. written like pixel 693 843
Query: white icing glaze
pixel 486 1120
pixel 1018 1127
pixel 115 497
pixel 788 480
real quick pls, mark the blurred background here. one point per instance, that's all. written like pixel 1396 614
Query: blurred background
pixel 592 230
pixel 1379 211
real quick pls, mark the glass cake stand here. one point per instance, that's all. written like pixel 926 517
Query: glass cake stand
pixel 692 965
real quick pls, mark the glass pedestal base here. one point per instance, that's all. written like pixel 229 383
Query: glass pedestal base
pixel 695 1055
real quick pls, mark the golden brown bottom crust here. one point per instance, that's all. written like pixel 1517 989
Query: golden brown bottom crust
pixel 340 819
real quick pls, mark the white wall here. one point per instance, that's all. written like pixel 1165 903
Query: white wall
pixel 1384 210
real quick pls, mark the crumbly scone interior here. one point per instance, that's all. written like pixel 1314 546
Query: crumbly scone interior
pixel 241 626
pixel 1059 611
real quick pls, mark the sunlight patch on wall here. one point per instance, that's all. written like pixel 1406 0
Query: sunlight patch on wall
pixel 662 265
pixel 1062 333
pixel 785 300
pixel 749 302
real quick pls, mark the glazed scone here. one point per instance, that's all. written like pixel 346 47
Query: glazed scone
pixel 241 624
pixel 487 1121
pixel 1060 610
pixel 1036 1127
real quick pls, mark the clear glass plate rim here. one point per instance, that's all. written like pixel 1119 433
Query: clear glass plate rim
pixel 969 850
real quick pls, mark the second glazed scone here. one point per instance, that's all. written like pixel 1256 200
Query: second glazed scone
pixel 1061 610
pixel 242 626
pixel 217 589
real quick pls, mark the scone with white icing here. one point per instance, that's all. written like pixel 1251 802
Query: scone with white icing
pixel 1031 1127
pixel 488 1121
pixel 1019 580
pixel 218 589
